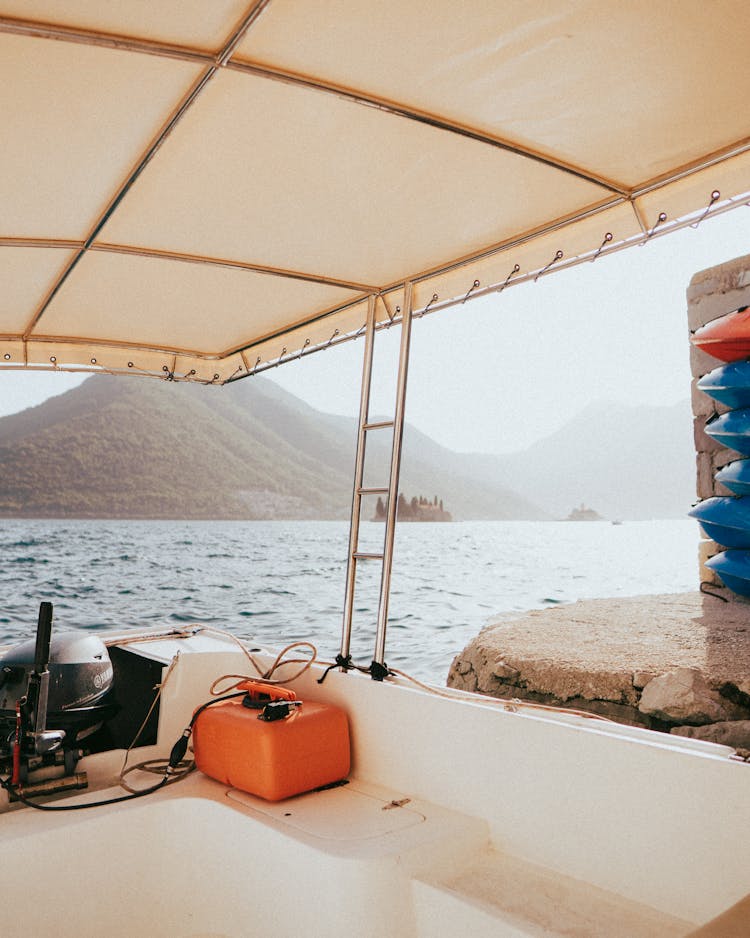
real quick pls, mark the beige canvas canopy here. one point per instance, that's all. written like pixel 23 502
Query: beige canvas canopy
pixel 198 189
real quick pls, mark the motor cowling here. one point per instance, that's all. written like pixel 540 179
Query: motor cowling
pixel 81 694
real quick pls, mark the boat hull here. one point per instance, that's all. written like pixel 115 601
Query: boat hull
pixel 728 384
pixel 736 476
pixel 726 338
pixel 732 430
pixel 733 569
pixel 725 519
pixel 443 827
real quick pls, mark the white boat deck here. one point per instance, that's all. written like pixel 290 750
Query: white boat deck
pixel 459 817
pixel 200 859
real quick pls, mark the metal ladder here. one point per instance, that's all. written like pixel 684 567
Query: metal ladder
pixel 378 669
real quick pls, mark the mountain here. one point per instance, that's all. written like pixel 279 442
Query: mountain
pixel 122 448
pixel 630 462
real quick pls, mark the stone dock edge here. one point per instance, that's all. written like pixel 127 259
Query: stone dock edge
pixel 677 663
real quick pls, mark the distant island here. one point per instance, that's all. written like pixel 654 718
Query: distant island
pixel 418 509
pixel 583 513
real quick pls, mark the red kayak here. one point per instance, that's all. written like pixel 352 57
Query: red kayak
pixel 727 338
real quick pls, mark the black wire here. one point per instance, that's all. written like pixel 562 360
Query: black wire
pixel 707 592
pixel 168 774
pixel 11 789
pixel 210 703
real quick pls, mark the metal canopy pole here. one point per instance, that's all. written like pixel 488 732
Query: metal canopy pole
pixel 378 667
pixel 359 467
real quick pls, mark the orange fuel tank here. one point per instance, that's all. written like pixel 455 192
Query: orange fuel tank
pixel 277 758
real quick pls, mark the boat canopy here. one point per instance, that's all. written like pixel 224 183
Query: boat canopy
pixel 201 190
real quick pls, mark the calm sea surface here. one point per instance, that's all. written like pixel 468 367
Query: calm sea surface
pixel 280 581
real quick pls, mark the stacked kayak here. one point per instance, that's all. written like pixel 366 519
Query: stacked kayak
pixel 729 384
pixel 726 338
pixel 736 476
pixel 733 566
pixel 732 430
pixel 726 519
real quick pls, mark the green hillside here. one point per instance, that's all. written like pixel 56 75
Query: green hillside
pixel 125 448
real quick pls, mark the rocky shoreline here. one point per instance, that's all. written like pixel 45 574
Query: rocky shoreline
pixel 678 663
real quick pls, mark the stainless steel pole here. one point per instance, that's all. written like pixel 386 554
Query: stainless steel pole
pixel 359 468
pixel 390 524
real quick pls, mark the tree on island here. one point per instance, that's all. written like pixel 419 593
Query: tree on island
pixel 418 508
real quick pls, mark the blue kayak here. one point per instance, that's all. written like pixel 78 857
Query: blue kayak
pixel 736 476
pixel 729 384
pixel 725 520
pixel 732 430
pixel 733 568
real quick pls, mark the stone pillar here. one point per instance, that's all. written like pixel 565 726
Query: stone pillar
pixel 712 293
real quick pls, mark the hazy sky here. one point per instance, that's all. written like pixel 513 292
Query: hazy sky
pixel 500 372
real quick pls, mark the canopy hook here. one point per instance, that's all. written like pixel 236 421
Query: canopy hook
pixel 558 257
pixel 607 239
pixel 659 221
pixel 506 282
pixel 715 196
pixel 302 350
pixel 168 375
pixel 471 289
pixel 255 366
pixel 335 333
pixel 433 300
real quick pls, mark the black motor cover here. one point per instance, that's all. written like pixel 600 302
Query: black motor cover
pixel 80 682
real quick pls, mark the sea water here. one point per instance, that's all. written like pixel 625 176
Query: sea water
pixel 276 582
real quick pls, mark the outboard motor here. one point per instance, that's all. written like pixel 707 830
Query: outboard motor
pixel 54 692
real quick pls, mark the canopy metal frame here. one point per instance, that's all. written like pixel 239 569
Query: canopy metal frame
pixel 228 57
pixel 497 251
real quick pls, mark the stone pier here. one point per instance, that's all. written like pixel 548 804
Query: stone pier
pixel 678 663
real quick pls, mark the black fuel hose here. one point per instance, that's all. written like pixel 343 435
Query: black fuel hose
pixel 174 770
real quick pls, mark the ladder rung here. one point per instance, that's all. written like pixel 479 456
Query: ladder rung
pixel 379 425
pixel 371 491
pixel 360 556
